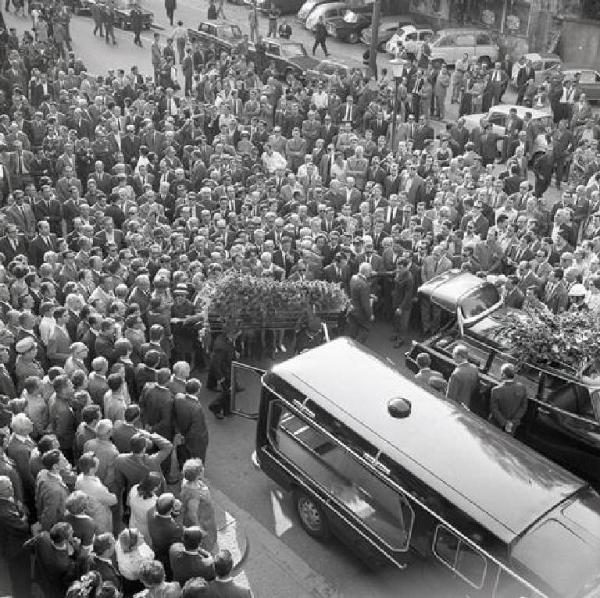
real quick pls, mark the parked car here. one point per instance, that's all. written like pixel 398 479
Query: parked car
pixel 589 79
pixel 222 34
pixel 498 116
pixel 327 69
pixel 349 27
pixel 289 57
pixel 122 12
pixel 542 62
pixel 448 45
pixel 563 417
pixel 387 27
pixel 307 8
pixel 327 10
pixel 285 7
pixel 411 37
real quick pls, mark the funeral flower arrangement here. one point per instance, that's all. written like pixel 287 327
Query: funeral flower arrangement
pixel 570 339
pixel 251 302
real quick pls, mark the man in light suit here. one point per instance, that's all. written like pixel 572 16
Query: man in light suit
pixel 21 215
pixel 413 185
pixel 19 166
pixel 433 264
pixel 463 385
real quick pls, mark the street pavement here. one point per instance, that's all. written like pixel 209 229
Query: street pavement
pixel 283 561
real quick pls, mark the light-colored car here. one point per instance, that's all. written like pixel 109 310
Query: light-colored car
pixel 542 62
pixel 498 116
pixel 589 79
pixel 307 8
pixel 327 69
pixel 328 10
pixel 388 26
pixel 448 45
pixel 411 37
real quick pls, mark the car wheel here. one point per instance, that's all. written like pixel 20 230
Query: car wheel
pixel 352 38
pixel 312 517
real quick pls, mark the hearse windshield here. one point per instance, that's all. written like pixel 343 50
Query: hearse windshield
pixel 479 300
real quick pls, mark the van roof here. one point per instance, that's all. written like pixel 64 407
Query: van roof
pixel 500 483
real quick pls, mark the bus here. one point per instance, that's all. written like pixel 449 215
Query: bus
pixel 395 471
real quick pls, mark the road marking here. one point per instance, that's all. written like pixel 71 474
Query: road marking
pixel 282 522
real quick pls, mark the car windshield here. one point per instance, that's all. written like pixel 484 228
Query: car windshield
pixel 350 17
pixel 479 300
pixel 290 50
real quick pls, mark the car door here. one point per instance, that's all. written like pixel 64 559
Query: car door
pixel 485 47
pixel 564 426
pixel 498 120
pixel 465 43
pixel 589 83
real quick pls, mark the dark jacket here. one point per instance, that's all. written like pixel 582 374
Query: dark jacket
pixel 463 385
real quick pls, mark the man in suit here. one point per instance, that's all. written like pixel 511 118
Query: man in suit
pixel 360 316
pixel 164 529
pixel 21 215
pixel 413 185
pixel 338 271
pixel 286 257
pixel 108 235
pixel 188 559
pixel 19 165
pixel 59 342
pixel 486 144
pixel 513 296
pixel 225 586
pixel 463 385
pixel 130 144
pixel 156 405
pixel 556 296
pixel 43 242
pixel 7 385
pixel 348 112
pixel 424 132
pixel 12 244
pixel 508 403
pixel 103 559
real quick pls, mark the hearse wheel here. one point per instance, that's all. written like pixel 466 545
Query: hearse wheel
pixel 311 515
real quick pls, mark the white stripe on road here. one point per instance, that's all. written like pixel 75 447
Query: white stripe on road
pixel 282 522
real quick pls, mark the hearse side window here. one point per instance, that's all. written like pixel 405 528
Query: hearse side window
pixel 566 395
pixel 324 461
pixel 508 586
pixel 459 557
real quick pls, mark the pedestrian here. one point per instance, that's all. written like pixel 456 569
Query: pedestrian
pixel 224 352
pixel 273 15
pixel 508 403
pixel 463 385
pixel 136 24
pixel 109 23
pixel 180 37
pixel 187 68
pixel 156 57
pixel 96 10
pixel 442 83
pixel 170 6
pixel 360 316
pixel 285 30
pixel 320 36
pixel 212 11
pixel 253 23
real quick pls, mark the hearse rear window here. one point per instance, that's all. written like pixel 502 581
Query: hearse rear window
pixel 479 300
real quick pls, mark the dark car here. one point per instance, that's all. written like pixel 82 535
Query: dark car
pixel 348 28
pixel 563 417
pixel 222 34
pixel 122 12
pixel 289 57
pixel 285 7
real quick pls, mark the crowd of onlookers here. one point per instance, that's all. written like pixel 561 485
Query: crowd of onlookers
pixel 121 197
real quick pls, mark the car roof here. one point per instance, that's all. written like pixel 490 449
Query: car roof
pixel 542 56
pixel 476 474
pixel 464 30
pixel 505 109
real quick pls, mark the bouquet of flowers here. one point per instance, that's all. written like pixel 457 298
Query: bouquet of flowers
pixel 250 302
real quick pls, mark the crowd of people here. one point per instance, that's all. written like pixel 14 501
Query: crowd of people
pixel 120 197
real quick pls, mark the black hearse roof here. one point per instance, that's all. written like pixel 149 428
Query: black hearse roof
pixel 498 482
